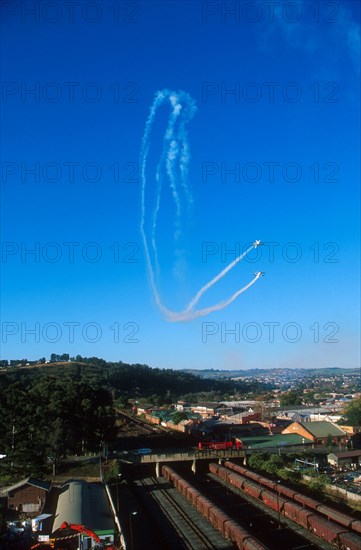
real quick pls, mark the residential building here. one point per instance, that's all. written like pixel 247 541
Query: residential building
pixel 27 495
pixel 321 432
pixel 347 458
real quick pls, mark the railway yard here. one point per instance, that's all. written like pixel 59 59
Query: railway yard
pixel 209 500
pixel 180 525
pixel 215 510
pixel 210 511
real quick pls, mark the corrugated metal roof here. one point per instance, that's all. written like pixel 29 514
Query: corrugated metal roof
pixel 85 504
pixel 276 440
pixel 39 483
pixel 322 428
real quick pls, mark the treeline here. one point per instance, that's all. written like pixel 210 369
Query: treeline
pixel 43 418
pixel 68 408
pixel 132 381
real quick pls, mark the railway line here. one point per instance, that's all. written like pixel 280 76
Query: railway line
pixel 330 526
pixel 184 528
pixel 343 519
pixel 193 531
pixel 148 428
pixel 263 528
pixel 249 513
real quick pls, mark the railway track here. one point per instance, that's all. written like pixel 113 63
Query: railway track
pixel 192 531
pixel 271 530
pixel 149 428
pixel 293 537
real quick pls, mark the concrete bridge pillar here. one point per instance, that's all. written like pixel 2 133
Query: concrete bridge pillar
pixel 194 466
pixel 157 470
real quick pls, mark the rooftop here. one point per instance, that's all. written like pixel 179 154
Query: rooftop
pixel 322 428
pixel 45 485
pixel 85 504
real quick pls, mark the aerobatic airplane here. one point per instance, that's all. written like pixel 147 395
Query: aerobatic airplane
pixel 257 243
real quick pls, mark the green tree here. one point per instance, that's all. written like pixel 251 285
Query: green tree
pixel 112 471
pixel 292 397
pixel 258 460
pixel 318 483
pixel 352 414
pixel 273 464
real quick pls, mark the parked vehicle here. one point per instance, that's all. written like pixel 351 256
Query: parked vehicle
pixel 144 451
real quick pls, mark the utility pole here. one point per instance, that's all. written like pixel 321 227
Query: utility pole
pixel 12 446
pixel 100 468
pixel 118 476
pixel 131 529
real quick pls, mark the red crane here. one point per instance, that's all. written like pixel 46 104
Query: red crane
pixel 81 529
pixel 75 527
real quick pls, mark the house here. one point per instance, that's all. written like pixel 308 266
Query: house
pixel 155 415
pixel 27 495
pixel 277 425
pixel 207 410
pixel 246 417
pixel 321 432
pixel 145 409
pixel 354 436
pixel 347 458
pixel 183 406
pixel 184 426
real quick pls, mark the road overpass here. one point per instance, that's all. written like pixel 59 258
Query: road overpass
pixel 194 455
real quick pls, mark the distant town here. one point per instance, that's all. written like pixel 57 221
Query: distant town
pixel 90 451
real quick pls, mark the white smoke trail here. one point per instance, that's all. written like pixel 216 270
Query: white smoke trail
pixel 170 152
pixel 190 315
pixel 220 275
pixel 175 147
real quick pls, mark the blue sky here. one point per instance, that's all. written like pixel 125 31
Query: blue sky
pixel 277 96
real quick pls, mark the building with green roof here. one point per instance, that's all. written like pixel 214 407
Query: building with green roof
pixel 320 432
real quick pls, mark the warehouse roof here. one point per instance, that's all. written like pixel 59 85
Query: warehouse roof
pixel 322 428
pixel 85 504
pixel 273 441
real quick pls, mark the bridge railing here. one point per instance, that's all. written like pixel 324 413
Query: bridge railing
pixel 190 455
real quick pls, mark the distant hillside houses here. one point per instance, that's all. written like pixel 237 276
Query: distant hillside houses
pixel 329 413
pixel 241 412
pixel 226 420
pixel 198 416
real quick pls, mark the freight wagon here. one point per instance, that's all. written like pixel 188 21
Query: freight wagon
pixel 221 521
pixel 307 502
pixel 310 519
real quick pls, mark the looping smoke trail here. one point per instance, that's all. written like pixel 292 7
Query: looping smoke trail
pixel 175 148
